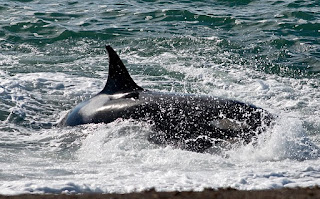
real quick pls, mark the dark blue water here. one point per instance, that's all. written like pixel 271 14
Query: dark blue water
pixel 52 57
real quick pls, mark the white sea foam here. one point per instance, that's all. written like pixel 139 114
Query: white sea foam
pixel 118 157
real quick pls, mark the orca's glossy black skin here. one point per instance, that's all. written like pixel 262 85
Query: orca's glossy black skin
pixel 197 121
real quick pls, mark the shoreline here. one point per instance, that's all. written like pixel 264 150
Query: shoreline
pixel 292 193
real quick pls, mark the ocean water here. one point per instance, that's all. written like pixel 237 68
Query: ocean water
pixel 52 57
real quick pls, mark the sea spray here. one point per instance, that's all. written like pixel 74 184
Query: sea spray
pixel 287 139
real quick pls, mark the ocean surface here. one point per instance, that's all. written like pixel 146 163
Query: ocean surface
pixel 52 57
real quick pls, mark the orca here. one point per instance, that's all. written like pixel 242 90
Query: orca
pixel 195 122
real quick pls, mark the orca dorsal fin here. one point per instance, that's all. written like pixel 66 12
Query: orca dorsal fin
pixel 119 80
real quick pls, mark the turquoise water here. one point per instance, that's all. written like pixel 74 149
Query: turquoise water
pixel 52 57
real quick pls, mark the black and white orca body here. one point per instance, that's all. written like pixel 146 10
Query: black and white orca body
pixel 196 120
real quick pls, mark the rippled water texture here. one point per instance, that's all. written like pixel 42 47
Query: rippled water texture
pixel 52 57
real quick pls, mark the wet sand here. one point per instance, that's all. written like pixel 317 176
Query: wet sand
pixel 229 193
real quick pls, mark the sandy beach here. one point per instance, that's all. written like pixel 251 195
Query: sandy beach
pixel 291 193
